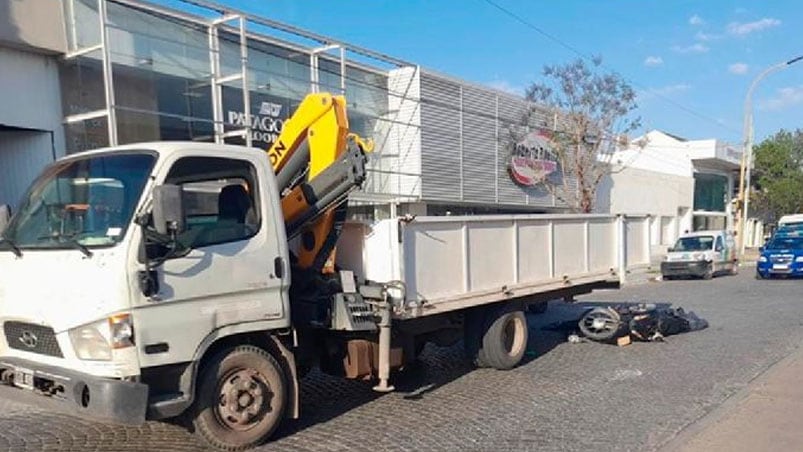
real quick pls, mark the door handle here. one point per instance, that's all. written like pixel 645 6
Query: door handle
pixel 278 267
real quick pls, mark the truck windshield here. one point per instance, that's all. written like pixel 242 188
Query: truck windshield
pixel 700 243
pixel 785 243
pixel 87 201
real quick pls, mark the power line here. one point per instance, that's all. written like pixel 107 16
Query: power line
pixel 585 56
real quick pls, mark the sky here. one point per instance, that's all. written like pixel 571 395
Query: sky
pixel 691 62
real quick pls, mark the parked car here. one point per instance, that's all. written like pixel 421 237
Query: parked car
pixel 788 220
pixel 701 254
pixel 787 227
pixel 782 255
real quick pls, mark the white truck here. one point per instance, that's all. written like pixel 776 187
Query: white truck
pixel 154 280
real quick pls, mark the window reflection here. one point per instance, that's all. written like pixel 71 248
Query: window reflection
pixel 161 74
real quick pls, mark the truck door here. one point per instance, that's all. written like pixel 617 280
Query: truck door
pixel 229 277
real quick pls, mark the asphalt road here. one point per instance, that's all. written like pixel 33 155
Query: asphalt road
pixel 585 396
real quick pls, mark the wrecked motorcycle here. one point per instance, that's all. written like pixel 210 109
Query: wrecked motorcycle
pixel 646 322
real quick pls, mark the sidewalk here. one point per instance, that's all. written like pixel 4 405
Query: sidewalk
pixel 767 416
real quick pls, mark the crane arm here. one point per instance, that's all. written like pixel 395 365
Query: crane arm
pixel 317 164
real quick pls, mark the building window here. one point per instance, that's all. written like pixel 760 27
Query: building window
pixel 710 192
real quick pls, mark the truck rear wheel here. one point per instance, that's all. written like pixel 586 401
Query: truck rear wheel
pixel 504 343
pixel 241 398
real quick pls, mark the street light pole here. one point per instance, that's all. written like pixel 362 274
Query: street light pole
pixel 747 153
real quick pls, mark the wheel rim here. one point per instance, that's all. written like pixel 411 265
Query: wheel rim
pixel 513 335
pixel 244 397
pixel 600 325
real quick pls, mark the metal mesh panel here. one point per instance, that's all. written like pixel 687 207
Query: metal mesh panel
pixel 32 338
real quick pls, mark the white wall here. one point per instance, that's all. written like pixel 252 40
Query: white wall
pixel 656 176
pixel 666 197
pixel 659 153
pixel 638 191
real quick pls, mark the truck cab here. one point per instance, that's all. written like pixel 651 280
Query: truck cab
pixel 701 254
pixel 84 313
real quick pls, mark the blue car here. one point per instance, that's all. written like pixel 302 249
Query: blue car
pixel 781 256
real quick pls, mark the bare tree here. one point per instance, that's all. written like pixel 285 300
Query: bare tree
pixel 592 115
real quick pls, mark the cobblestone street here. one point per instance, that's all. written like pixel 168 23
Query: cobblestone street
pixel 585 396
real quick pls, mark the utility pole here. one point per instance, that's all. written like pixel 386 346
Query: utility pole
pixel 747 153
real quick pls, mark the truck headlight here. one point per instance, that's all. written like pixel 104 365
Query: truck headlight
pixel 699 256
pixel 799 259
pixel 95 341
pixel 762 259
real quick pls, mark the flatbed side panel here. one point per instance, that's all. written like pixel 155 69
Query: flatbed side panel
pixel 451 259
pixel 602 249
pixel 371 251
pixel 535 266
pixel 450 263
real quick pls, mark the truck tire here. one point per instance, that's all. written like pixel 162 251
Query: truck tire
pixel 241 400
pixel 504 342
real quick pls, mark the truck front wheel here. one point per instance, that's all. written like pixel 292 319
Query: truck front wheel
pixel 241 398
pixel 504 342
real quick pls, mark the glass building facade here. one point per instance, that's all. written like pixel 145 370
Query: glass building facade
pixel 160 78
pixel 711 202
pixel 136 72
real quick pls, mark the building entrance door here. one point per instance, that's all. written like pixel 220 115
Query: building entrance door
pixel 23 155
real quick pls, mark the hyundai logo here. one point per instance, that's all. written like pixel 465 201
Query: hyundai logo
pixel 28 339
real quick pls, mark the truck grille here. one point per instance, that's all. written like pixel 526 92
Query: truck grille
pixel 32 338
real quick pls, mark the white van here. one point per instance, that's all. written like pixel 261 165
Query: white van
pixel 702 254
pixel 791 219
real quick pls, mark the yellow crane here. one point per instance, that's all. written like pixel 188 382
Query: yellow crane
pixel 318 162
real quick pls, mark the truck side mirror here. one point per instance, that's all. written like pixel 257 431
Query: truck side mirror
pixel 168 209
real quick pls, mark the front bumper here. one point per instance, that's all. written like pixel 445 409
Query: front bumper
pixel 768 269
pixel 690 268
pixel 107 399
